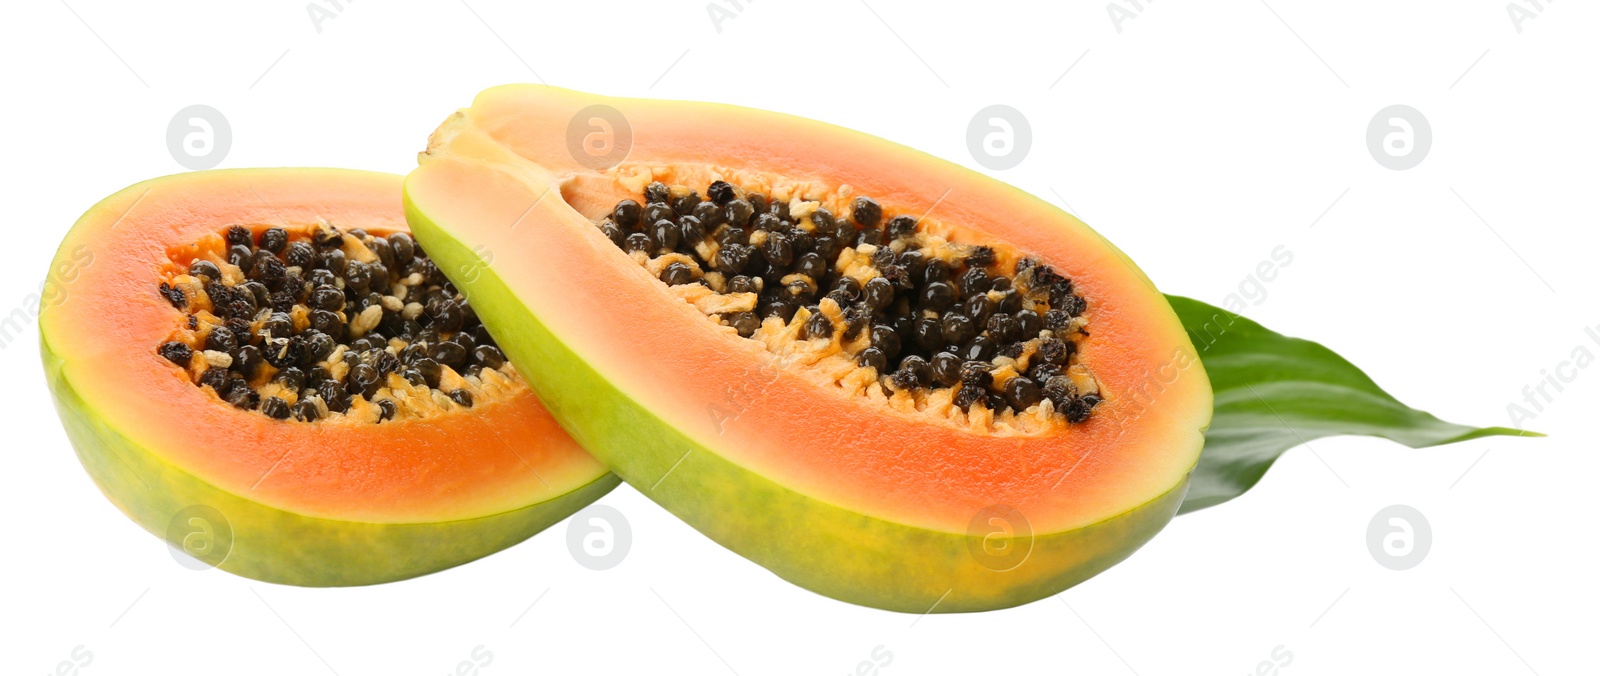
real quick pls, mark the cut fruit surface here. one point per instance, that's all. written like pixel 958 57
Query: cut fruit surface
pixel 243 341
pixel 794 445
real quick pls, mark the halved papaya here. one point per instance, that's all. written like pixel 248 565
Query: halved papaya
pixel 222 347
pixel 884 377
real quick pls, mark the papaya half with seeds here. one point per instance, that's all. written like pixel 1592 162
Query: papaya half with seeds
pixel 886 378
pixel 261 367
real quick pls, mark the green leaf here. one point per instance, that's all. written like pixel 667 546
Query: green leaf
pixel 1274 392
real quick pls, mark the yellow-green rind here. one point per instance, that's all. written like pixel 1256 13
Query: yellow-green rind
pixel 277 546
pixel 820 546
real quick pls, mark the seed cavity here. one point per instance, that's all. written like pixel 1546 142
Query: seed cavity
pixel 868 296
pixel 315 323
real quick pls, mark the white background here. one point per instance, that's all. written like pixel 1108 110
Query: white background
pixel 1198 137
